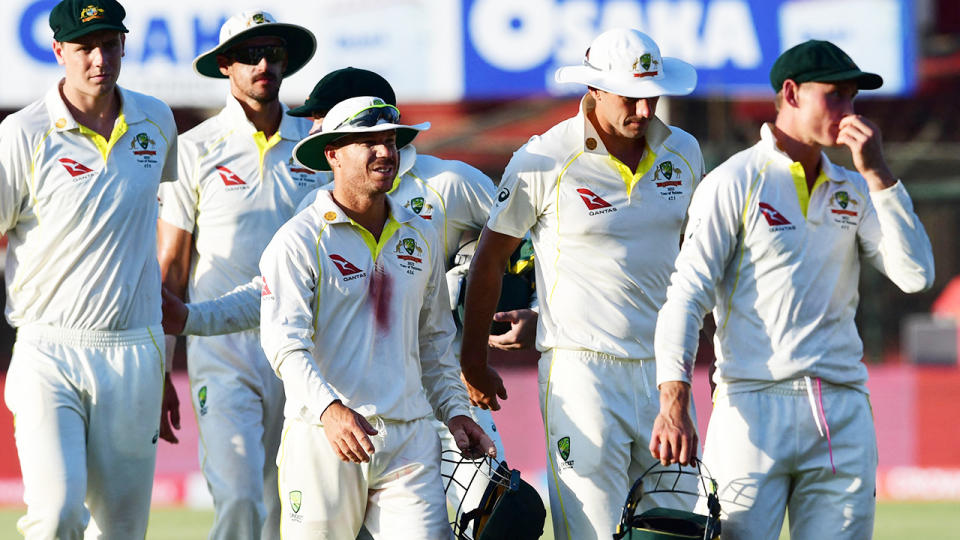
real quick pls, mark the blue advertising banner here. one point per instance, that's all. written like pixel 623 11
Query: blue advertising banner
pixel 514 48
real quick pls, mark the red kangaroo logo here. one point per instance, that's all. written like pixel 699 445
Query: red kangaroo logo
pixel 592 200
pixel 74 168
pixel 344 266
pixel 773 216
pixel 229 179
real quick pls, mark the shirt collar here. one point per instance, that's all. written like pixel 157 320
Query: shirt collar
pixel 331 213
pixel 656 134
pixel 769 141
pixel 291 127
pixel 62 120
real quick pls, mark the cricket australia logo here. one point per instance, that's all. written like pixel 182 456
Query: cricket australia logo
pixel 595 204
pixel 90 13
pixel 563 447
pixel 645 61
pixel 144 150
pixel 410 255
pixel 301 176
pixel 202 400
pixel 844 209
pixel 296 499
pixel 668 178
pixel 420 207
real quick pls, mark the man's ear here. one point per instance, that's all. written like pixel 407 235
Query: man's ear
pixel 790 92
pixel 58 52
pixel 223 63
pixel 330 152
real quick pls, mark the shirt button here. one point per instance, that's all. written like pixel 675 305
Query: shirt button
pixel 591 143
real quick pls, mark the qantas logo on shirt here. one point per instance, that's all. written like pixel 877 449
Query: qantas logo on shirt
pixel 347 268
pixel 595 204
pixel 229 178
pixel 265 291
pixel 75 168
pixel 774 218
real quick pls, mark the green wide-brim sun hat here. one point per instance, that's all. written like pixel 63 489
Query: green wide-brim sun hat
pixel 300 42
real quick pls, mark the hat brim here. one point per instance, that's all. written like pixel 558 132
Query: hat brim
pixel 864 80
pixel 679 79
pixel 310 151
pixel 301 44
pixel 89 29
pixel 305 110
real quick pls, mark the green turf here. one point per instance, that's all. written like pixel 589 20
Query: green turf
pixel 894 521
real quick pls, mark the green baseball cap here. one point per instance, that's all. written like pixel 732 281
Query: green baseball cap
pixel 820 61
pixel 71 19
pixel 343 84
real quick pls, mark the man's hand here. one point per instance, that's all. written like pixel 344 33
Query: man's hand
pixel 483 387
pixel 348 433
pixel 674 437
pixel 472 441
pixel 523 330
pixel 169 412
pixel 866 147
pixel 174 313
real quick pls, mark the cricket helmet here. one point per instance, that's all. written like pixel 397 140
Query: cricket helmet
pixel 509 507
pixel 670 523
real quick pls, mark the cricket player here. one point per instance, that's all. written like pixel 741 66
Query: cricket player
pixel 238 183
pixel 355 320
pixel 79 173
pixel 774 246
pixel 604 195
pixel 451 196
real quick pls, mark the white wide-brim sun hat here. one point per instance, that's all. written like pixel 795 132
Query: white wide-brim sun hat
pixel 300 42
pixel 340 121
pixel 628 63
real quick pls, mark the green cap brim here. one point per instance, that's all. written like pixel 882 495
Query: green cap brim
pixel 864 80
pixel 305 110
pixel 89 29
pixel 300 48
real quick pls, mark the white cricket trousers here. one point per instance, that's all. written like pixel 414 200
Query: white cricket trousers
pixel 598 413
pixel 767 454
pixel 86 408
pixel 397 494
pixel 238 401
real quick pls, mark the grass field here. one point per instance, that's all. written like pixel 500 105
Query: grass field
pixel 894 521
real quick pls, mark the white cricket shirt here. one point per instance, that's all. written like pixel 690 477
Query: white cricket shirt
pixel 236 188
pixel 605 237
pixel 370 319
pixel 782 268
pixel 451 196
pixel 80 213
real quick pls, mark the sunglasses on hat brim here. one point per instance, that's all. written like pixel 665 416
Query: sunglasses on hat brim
pixel 252 55
pixel 372 116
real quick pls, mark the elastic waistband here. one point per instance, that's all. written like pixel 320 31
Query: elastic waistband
pixel 90 338
pixel 789 387
pixel 594 355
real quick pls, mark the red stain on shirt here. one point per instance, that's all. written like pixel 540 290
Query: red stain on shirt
pixel 381 289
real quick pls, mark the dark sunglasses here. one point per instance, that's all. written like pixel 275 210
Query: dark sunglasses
pixel 372 116
pixel 252 55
